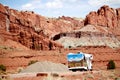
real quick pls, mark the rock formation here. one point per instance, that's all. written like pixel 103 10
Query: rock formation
pixel 101 29
pixel 105 16
pixel 33 30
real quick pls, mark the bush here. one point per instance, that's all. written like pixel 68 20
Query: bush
pixel 69 46
pixel 19 69
pixel 111 65
pixel 32 62
pixel 2 68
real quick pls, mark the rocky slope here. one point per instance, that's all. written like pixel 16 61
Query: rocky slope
pixel 106 17
pixel 101 29
pixel 37 32
pixel 88 41
pixel 33 30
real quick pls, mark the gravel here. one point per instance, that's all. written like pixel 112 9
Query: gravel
pixel 45 66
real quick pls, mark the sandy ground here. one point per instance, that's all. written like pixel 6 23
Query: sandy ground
pixel 84 75
pixel 16 60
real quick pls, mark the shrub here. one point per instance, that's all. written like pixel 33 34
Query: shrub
pixel 111 65
pixel 2 68
pixel 69 46
pixel 32 62
pixel 19 69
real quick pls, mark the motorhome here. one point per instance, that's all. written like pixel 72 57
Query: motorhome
pixel 79 61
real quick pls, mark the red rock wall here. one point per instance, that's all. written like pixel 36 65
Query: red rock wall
pixel 118 15
pixel 33 30
pixel 22 27
pixel 105 16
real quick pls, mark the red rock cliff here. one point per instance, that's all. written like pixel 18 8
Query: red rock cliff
pixel 105 16
pixel 25 28
pixel 33 30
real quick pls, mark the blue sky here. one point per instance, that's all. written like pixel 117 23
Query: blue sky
pixel 56 8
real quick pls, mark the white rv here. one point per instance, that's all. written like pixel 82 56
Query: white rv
pixel 79 61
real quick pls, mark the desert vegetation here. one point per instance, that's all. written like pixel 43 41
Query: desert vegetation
pixel 32 62
pixel 111 65
pixel 2 67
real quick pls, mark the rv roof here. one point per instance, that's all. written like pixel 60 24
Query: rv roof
pixel 75 57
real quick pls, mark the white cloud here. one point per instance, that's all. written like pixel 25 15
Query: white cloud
pixel 67 7
pixel 70 0
pixel 104 2
pixel 67 1
pixel 54 4
pixel 27 6
pixel 36 4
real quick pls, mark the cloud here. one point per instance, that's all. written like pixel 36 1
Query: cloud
pixel 54 4
pixel 27 6
pixel 104 2
pixel 67 1
pixel 36 4
pixel 67 7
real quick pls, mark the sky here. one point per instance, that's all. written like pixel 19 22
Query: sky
pixel 56 8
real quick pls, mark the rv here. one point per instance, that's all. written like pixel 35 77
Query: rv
pixel 79 61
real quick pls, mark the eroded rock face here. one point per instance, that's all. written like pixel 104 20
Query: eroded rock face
pixel 118 15
pixel 105 16
pixel 33 30
pixel 25 28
